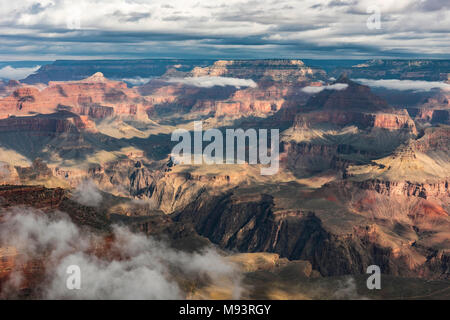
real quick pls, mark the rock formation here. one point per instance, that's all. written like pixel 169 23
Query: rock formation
pixel 94 96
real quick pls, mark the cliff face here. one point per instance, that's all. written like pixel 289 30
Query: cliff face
pixel 52 124
pixel 434 139
pixel 421 161
pixel 353 105
pixel 434 110
pixel 439 190
pixel 169 97
pixel 354 97
pixel 338 128
pixel 94 111
pixel 243 102
pixel 279 84
pixel 398 69
pixel 38 196
pixel 261 70
pixel 165 189
pixel 249 224
pixel 94 96
pixel 7 88
pixel 391 121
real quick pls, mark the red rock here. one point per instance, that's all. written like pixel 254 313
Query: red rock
pixel 95 96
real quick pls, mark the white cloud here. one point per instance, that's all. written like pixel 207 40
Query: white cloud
pixel 403 85
pixel 347 290
pixel 137 81
pixel 31 231
pixel 11 73
pixel 336 86
pixel 413 27
pixel 209 82
pixel 131 266
pixel 87 194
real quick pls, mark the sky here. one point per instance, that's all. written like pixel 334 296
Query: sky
pixel 325 29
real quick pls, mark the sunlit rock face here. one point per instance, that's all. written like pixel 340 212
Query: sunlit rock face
pixel 352 104
pixel 287 71
pixel 55 123
pixel 268 85
pixel 94 96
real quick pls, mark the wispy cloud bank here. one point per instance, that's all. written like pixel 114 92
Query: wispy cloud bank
pixel 12 73
pixel 209 82
pixel 88 194
pixel 137 81
pixel 336 86
pixel 130 266
pixel 404 85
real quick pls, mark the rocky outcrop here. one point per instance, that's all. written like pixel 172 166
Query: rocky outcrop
pixel 405 188
pixel 37 196
pixel 95 96
pixel 393 121
pixel 279 84
pixel 390 121
pixel 7 88
pixel 94 111
pixel 51 124
pixel 434 139
pixel 263 100
pixel 249 224
pixel 175 190
pixel 353 105
pixel 250 101
pixel 354 97
pixel 307 158
pixel 37 170
pixel 434 116
pixel 421 69
pixel 278 70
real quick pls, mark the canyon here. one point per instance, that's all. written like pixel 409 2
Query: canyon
pixel 361 181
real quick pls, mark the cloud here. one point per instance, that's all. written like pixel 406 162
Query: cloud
pixel 137 81
pixel 31 231
pixel 347 289
pixel 336 86
pixel 87 194
pixel 209 82
pixel 129 266
pixel 229 28
pixel 11 73
pixel 404 85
